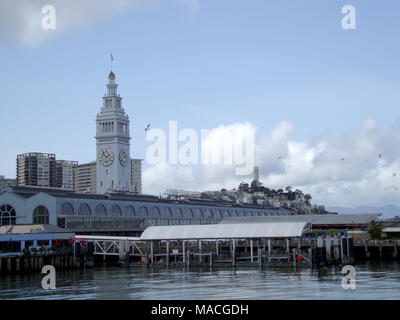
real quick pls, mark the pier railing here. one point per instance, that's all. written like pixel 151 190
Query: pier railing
pixel 377 243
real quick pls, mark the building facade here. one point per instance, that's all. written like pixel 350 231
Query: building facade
pixel 65 173
pixel 113 170
pixel 36 169
pixel 115 213
pixel 136 172
pixel 84 176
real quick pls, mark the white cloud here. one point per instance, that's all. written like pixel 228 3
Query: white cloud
pixel 315 166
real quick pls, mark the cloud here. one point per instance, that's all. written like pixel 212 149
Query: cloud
pixel 360 167
pixel 21 20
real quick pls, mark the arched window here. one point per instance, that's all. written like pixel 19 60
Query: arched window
pixel 41 215
pixel 7 215
pixel 143 212
pixel 155 212
pixel 67 209
pixel 84 210
pixel 225 213
pixel 116 211
pixel 218 214
pixel 100 210
pixel 179 213
pixel 129 211
pixel 189 213
pixel 208 214
pixel 239 213
pixel 168 212
pixel 198 213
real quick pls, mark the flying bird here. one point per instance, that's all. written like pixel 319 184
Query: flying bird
pixel 394 174
pixel 147 128
pixel 342 159
pixel 380 156
pixel 280 157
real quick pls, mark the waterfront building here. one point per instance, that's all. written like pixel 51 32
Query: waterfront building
pixel 113 167
pixel 116 213
pixel 84 176
pixel 36 169
pixel 4 182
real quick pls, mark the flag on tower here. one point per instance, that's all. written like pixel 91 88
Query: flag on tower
pixel 112 58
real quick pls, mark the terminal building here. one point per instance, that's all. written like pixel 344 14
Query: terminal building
pixel 114 213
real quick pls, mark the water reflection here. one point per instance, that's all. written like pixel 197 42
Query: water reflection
pixel 374 281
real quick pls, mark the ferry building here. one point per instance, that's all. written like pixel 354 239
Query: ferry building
pixel 115 209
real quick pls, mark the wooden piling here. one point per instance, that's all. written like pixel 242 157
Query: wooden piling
pixel 17 264
pixel 167 253
pixel 183 252
pixel 251 250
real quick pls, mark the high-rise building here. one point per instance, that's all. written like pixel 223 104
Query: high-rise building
pixel 36 169
pixel 136 172
pixel 112 143
pixel 85 177
pixel 65 174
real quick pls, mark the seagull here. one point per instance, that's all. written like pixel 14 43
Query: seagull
pixel 280 157
pixel 395 188
pixel 380 156
pixel 342 159
pixel 147 128
pixel 394 174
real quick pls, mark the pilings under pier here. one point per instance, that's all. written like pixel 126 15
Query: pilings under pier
pixel 251 252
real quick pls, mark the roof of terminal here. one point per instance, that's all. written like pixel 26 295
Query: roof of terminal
pixel 31 228
pixel 321 219
pixel 226 231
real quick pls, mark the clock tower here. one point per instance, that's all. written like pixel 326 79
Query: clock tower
pixel 113 161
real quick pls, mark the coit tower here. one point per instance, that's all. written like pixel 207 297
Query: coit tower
pixel 113 161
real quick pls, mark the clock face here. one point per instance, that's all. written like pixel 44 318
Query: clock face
pixel 123 158
pixel 106 157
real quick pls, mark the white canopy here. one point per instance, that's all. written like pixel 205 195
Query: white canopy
pixel 226 231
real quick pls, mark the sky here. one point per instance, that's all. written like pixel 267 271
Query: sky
pixel 313 92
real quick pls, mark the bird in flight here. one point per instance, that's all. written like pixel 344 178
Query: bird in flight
pixel 147 128
pixel 342 159
pixel 380 156
pixel 394 174
pixel 280 157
